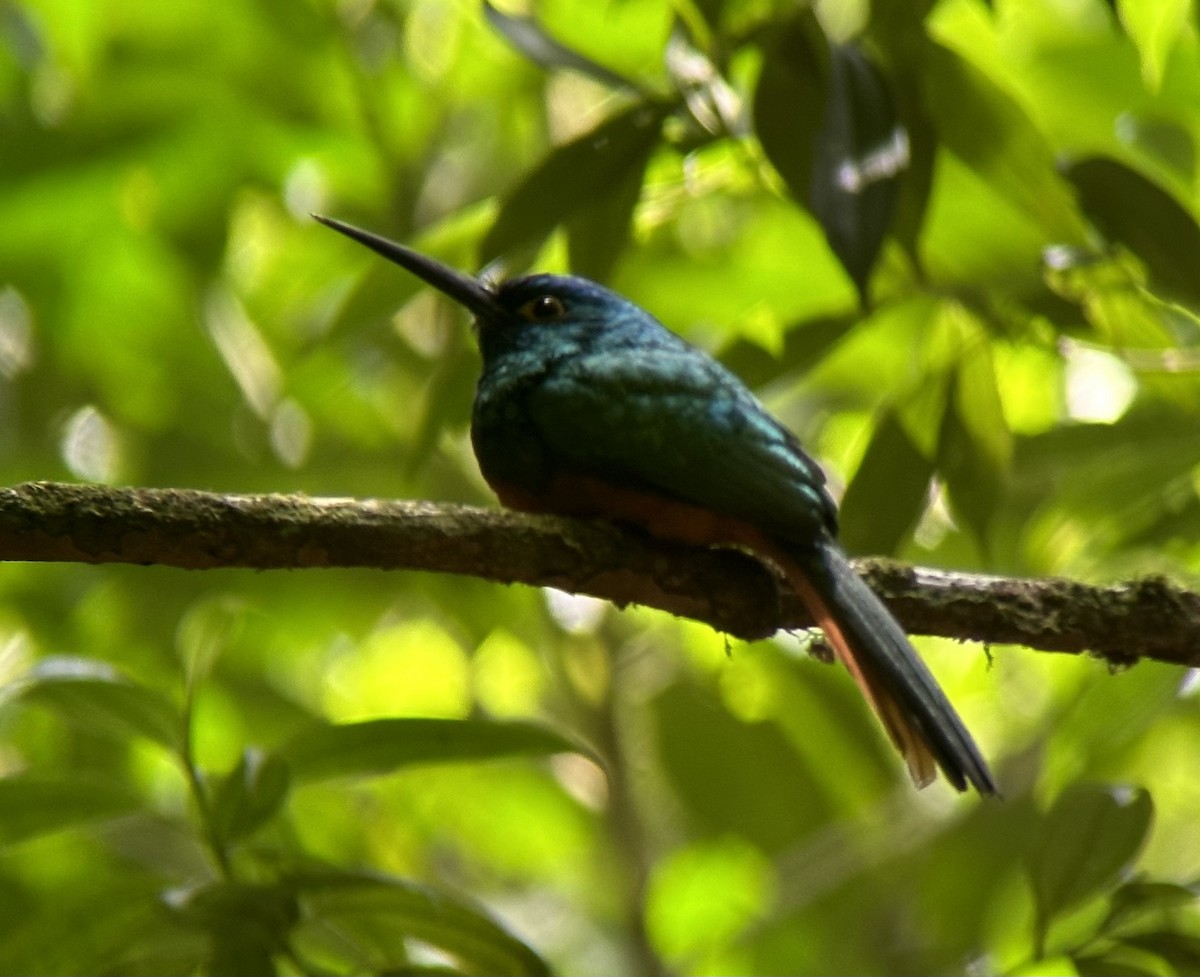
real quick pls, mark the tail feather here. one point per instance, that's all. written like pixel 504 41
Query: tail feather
pixel 874 648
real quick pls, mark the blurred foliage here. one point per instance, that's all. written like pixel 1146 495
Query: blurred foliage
pixel 953 244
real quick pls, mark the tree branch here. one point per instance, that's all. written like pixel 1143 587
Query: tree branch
pixel 52 522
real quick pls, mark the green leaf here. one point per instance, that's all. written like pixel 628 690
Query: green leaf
pixel 1136 899
pixel 912 202
pixel 975 445
pixel 1131 210
pixel 827 121
pixel 528 37
pixel 1115 963
pixel 888 492
pixel 370 911
pixel 1101 469
pixel 598 232
pixel 861 151
pixel 1170 144
pixel 1180 950
pixel 380 746
pixel 897 31
pixel 447 405
pixel 93 694
pixel 683 919
pixel 789 100
pixel 988 130
pixel 250 794
pixel 209 627
pixel 765 788
pixel 572 177
pixel 1155 28
pixel 804 345
pixel 247 924
pixel 1090 837
pixel 710 11
pixel 1141 697
pixel 32 806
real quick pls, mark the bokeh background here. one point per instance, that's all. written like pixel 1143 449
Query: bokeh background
pixel 953 245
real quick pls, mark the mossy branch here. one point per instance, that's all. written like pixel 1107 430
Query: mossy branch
pixel 52 522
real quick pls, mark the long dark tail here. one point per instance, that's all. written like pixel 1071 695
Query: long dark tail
pixel 873 646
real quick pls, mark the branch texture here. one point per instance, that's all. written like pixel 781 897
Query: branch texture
pixel 735 593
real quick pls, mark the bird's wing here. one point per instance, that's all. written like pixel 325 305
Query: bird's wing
pixel 675 421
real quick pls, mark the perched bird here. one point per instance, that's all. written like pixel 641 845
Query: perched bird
pixel 589 406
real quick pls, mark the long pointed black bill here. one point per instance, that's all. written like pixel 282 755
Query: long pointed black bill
pixel 462 288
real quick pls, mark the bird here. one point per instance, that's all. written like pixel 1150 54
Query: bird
pixel 588 406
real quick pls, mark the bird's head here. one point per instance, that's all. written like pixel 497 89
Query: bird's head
pixel 505 312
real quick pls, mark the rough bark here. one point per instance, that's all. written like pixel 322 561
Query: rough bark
pixel 52 522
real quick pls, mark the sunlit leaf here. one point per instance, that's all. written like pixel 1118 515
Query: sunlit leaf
pixel 94 694
pixel 572 177
pixel 1155 28
pixel 989 131
pixel 1140 698
pixel 1102 468
pixel 206 632
pixel 529 37
pixel 681 916
pixel 1091 835
pixel 1131 210
pixel 888 493
pixel 379 746
pixel 32 805
pixel 735 776
pixel 358 904
pixel 804 344
pixel 974 443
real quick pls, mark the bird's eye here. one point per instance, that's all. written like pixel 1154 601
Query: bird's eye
pixel 543 309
